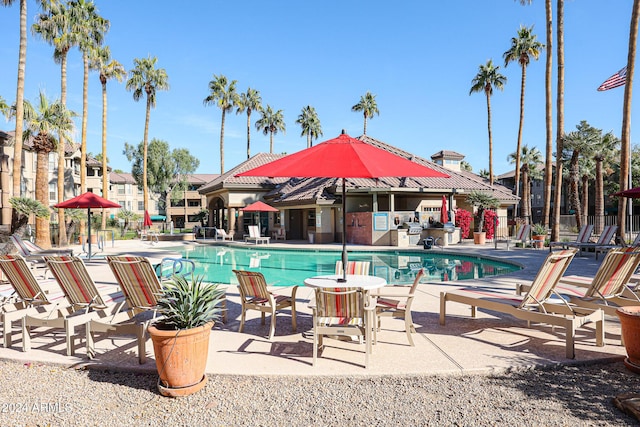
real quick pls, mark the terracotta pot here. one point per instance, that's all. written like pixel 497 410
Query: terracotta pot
pixel 479 237
pixel 181 358
pixel 630 325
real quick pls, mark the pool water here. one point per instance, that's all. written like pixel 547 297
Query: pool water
pixel 290 267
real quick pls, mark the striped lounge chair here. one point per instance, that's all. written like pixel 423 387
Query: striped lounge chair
pixel 605 248
pixel 34 254
pixel 535 306
pixel 341 312
pixel 607 235
pixel 255 296
pixel 583 237
pixel 523 235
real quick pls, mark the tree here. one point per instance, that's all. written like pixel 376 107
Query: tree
pixel 530 159
pixel 603 155
pixel 48 124
pixel 368 106
pixel 487 78
pixel 523 48
pixel 128 217
pixel 59 27
pixel 310 124
pixel 625 144
pixel 145 80
pixel 4 107
pixel 466 166
pixel 168 171
pixel 481 201
pixel 25 207
pixel 222 93
pixel 270 123
pixel 109 69
pixel 555 229
pixel 249 102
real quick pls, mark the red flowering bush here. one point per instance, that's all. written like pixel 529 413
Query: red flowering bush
pixel 490 222
pixel 463 220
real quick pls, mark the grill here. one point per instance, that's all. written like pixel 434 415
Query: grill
pixel 413 230
pixel 449 227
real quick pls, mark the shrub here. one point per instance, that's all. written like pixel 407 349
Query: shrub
pixel 489 223
pixel 463 220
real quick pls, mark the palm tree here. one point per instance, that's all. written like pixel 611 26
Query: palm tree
pixel 270 123
pixel 108 69
pixel 249 101
pixel 59 27
pixel 368 106
pixel 530 159
pixel 145 80
pixel 310 123
pixel 17 146
pixel 523 48
pixel 4 107
pixel 555 229
pixel 603 156
pixel 625 145
pixel 223 94
pixel 487 78
pixel 47 125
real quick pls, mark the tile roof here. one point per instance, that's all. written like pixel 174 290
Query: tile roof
pixel 448 154
pixel 228 179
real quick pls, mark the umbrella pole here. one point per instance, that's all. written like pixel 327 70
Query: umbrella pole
pixel 89 233
pixel 344 235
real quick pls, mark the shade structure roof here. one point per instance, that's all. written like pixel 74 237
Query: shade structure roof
pixel 86 201
pixel 259 207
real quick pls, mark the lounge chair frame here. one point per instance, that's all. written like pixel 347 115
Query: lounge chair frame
pixel 523 235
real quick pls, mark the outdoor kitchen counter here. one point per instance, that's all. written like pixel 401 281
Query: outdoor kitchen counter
pixel 445 237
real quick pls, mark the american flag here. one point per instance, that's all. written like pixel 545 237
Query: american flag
pixel 618 79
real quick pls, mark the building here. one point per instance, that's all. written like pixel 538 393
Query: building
pixel 183 212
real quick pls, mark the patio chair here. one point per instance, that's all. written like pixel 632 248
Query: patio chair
pixel 341 312
pixel 255 296
pixel 141 288
pixel 279 234
pixel 605 248
pixel 583 237
pixel 34 254
pixel 29 297
pixel 222 235
pixel 535 306
pixel 608 233
pixel 523 235
pixel 354 267
pixel 391 303
pixel 85 302
pixel 254 235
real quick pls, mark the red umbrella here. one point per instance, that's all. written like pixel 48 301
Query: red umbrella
pixel 259 207
pixel 630 193
pixel 444 216
pixel 87 200
pixel 343 157
pixel 147 220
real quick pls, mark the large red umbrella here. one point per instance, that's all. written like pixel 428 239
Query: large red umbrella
pixel 147 220
pixel 630 193
pixel 259 207
pixel 87 201
pixel 343 157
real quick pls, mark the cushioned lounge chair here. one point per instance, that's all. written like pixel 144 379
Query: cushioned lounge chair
pixel 395 301
pixel 255 296
pixel 523 235
pixel 535 306
pixel 341 312
pixel 583 237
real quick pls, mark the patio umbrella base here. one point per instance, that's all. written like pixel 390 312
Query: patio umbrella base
pixel 182 391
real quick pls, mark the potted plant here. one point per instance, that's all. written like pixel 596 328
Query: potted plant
pixel 181 336
pixel 630 326
pixel 481 201
pixel 539 234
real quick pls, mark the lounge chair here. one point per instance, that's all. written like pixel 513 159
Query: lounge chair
pixel 523 235
pixel 583 237
pixel 34 254
pixel 605 248
pixel 141 288
pixel 608 233
pixel 392 303
pixel 222 235
pixel 255 296
pixel 29 296
pixel 341 312
pixel 85 302
pixel 354 267
pixel 535 306
pixel 279 234
pixel 254 235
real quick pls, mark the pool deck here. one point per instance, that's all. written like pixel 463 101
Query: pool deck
pixel 491 342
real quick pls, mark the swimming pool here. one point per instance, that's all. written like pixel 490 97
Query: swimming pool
pixel 286 267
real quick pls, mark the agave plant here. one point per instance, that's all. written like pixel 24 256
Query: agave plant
pixel 188 304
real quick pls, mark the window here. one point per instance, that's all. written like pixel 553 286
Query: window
pixel 52 162
pixel 311 218
pixel 141 205
pixel 140 191
pixel 193 218
pixel 120 189
pixel 194 203
pixel 53 191
pixel 122 203
pixel 128 188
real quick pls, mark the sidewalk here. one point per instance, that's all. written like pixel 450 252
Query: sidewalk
pixel 465 345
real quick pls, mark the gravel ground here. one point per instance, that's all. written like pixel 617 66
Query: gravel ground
pixel 43 395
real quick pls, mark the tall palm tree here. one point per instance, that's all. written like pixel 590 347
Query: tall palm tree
pixel 47 124
pixel 530 158
pixel 108 69
pixel 555 228
pixel 487 78
pixel 368 106
pixel 270 123
pixel 223 94
pixel 310 123
pixel 625 145
pixel 249 102
pixel 603 156
pixel 60 28
pixel 523 48
pixel 145 80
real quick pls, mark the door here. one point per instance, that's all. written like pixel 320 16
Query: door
pixel 295 224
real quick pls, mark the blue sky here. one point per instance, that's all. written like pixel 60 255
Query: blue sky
pixel 418 58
